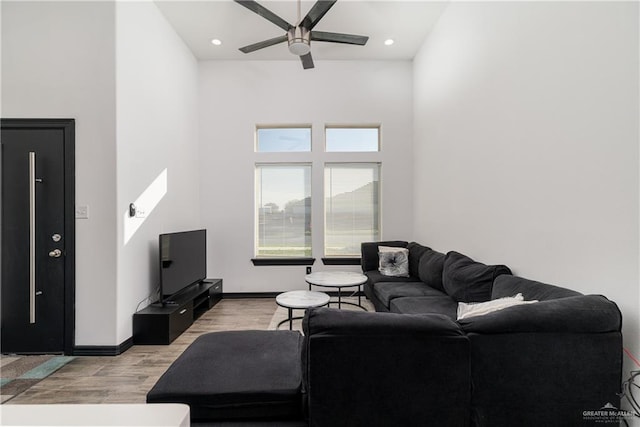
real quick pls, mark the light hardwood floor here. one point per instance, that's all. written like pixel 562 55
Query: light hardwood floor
pixel 128 377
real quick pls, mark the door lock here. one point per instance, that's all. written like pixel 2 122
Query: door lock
pixel 56 237
pixel 56 253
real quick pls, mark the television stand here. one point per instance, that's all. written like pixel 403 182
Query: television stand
pixel 161 324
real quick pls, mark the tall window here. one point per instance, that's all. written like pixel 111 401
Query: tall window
pixel 352 212
pixel 283 202
pixel 350 158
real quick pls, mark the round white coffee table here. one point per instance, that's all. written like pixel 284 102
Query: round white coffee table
pixel 339 280
pixel 300 300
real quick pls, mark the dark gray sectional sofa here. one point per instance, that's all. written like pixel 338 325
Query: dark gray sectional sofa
pixel 413 363
pixel 531 365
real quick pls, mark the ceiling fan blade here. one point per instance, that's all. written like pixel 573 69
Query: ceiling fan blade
pixel 263 44
pixel 323 36
pixel 316 13
pixel 307 61
pixel 256 7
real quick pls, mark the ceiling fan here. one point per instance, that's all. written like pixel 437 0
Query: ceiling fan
pixel 299 36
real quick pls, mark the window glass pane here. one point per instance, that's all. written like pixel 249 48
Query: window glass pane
pixel 283 139
pixel 283 200
pixel 352 139
pixel 352 213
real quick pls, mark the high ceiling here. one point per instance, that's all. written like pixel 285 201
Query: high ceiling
pixel 406 22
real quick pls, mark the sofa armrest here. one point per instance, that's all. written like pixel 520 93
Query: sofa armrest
pixel 365 369
pixel 369 252
pixel 576 314
pixel 331 322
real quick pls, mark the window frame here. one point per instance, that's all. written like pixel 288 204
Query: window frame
pixel 317 158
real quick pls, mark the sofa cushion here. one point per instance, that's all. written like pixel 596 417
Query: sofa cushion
pixel 430 270
pixel 507 285
pixel 425 305
pixel 387 291
pixel 375 276
pixel 466 280
pixel 236 374
pixel 369 253
pixel 393 261
pixel 416 250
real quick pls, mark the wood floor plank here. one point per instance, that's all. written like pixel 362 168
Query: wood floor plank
pixel 128 377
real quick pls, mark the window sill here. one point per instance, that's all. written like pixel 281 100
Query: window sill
pixel 282 261
pixel 341 261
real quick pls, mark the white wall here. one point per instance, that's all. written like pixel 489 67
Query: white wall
pixel 526 143
pixel 58 61
pixel 157 131
pixel 130 83
pixel 235 96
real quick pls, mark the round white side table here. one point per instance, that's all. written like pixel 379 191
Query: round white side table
pixel 300 300
pixel 339 280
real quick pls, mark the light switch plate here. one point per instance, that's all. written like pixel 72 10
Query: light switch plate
pixel 82 212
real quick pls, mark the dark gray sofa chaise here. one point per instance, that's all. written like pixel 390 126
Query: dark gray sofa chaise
pixel 413 363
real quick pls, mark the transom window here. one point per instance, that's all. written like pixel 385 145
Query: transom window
pixel 283 139
pixel 352 139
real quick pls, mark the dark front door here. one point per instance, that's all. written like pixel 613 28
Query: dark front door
pixel 37 285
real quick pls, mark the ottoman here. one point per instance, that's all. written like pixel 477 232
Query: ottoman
pixel 236 375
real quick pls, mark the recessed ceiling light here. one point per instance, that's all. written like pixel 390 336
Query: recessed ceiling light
pixel 216 42
pixel 388 42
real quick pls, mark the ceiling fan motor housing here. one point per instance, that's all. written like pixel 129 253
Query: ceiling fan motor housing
pixel 299 40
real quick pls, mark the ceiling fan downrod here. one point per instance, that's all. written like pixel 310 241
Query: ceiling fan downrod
pixel 299 38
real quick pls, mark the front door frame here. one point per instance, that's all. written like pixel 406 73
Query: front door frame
pixel 68 127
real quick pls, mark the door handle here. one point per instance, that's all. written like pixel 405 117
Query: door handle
pixel 56 253
pixel 32 237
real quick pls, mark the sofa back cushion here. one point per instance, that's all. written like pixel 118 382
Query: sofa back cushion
pixel 369 253
pixel 430 269
pixel 466 280
pixel 592 314
pixel 416 250
pixel 508 286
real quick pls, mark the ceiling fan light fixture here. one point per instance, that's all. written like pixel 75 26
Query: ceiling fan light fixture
pixel 299 41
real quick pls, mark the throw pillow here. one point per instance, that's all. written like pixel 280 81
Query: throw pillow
pixel 466 280
pixel 369 252
pixel 481 308
pixel 393 261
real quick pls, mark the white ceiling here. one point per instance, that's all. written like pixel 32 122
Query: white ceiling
pixel 407 22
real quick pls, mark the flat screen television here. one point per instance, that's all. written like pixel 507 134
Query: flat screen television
pixel 183 262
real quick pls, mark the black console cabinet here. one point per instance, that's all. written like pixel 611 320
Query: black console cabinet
pixel 161 324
